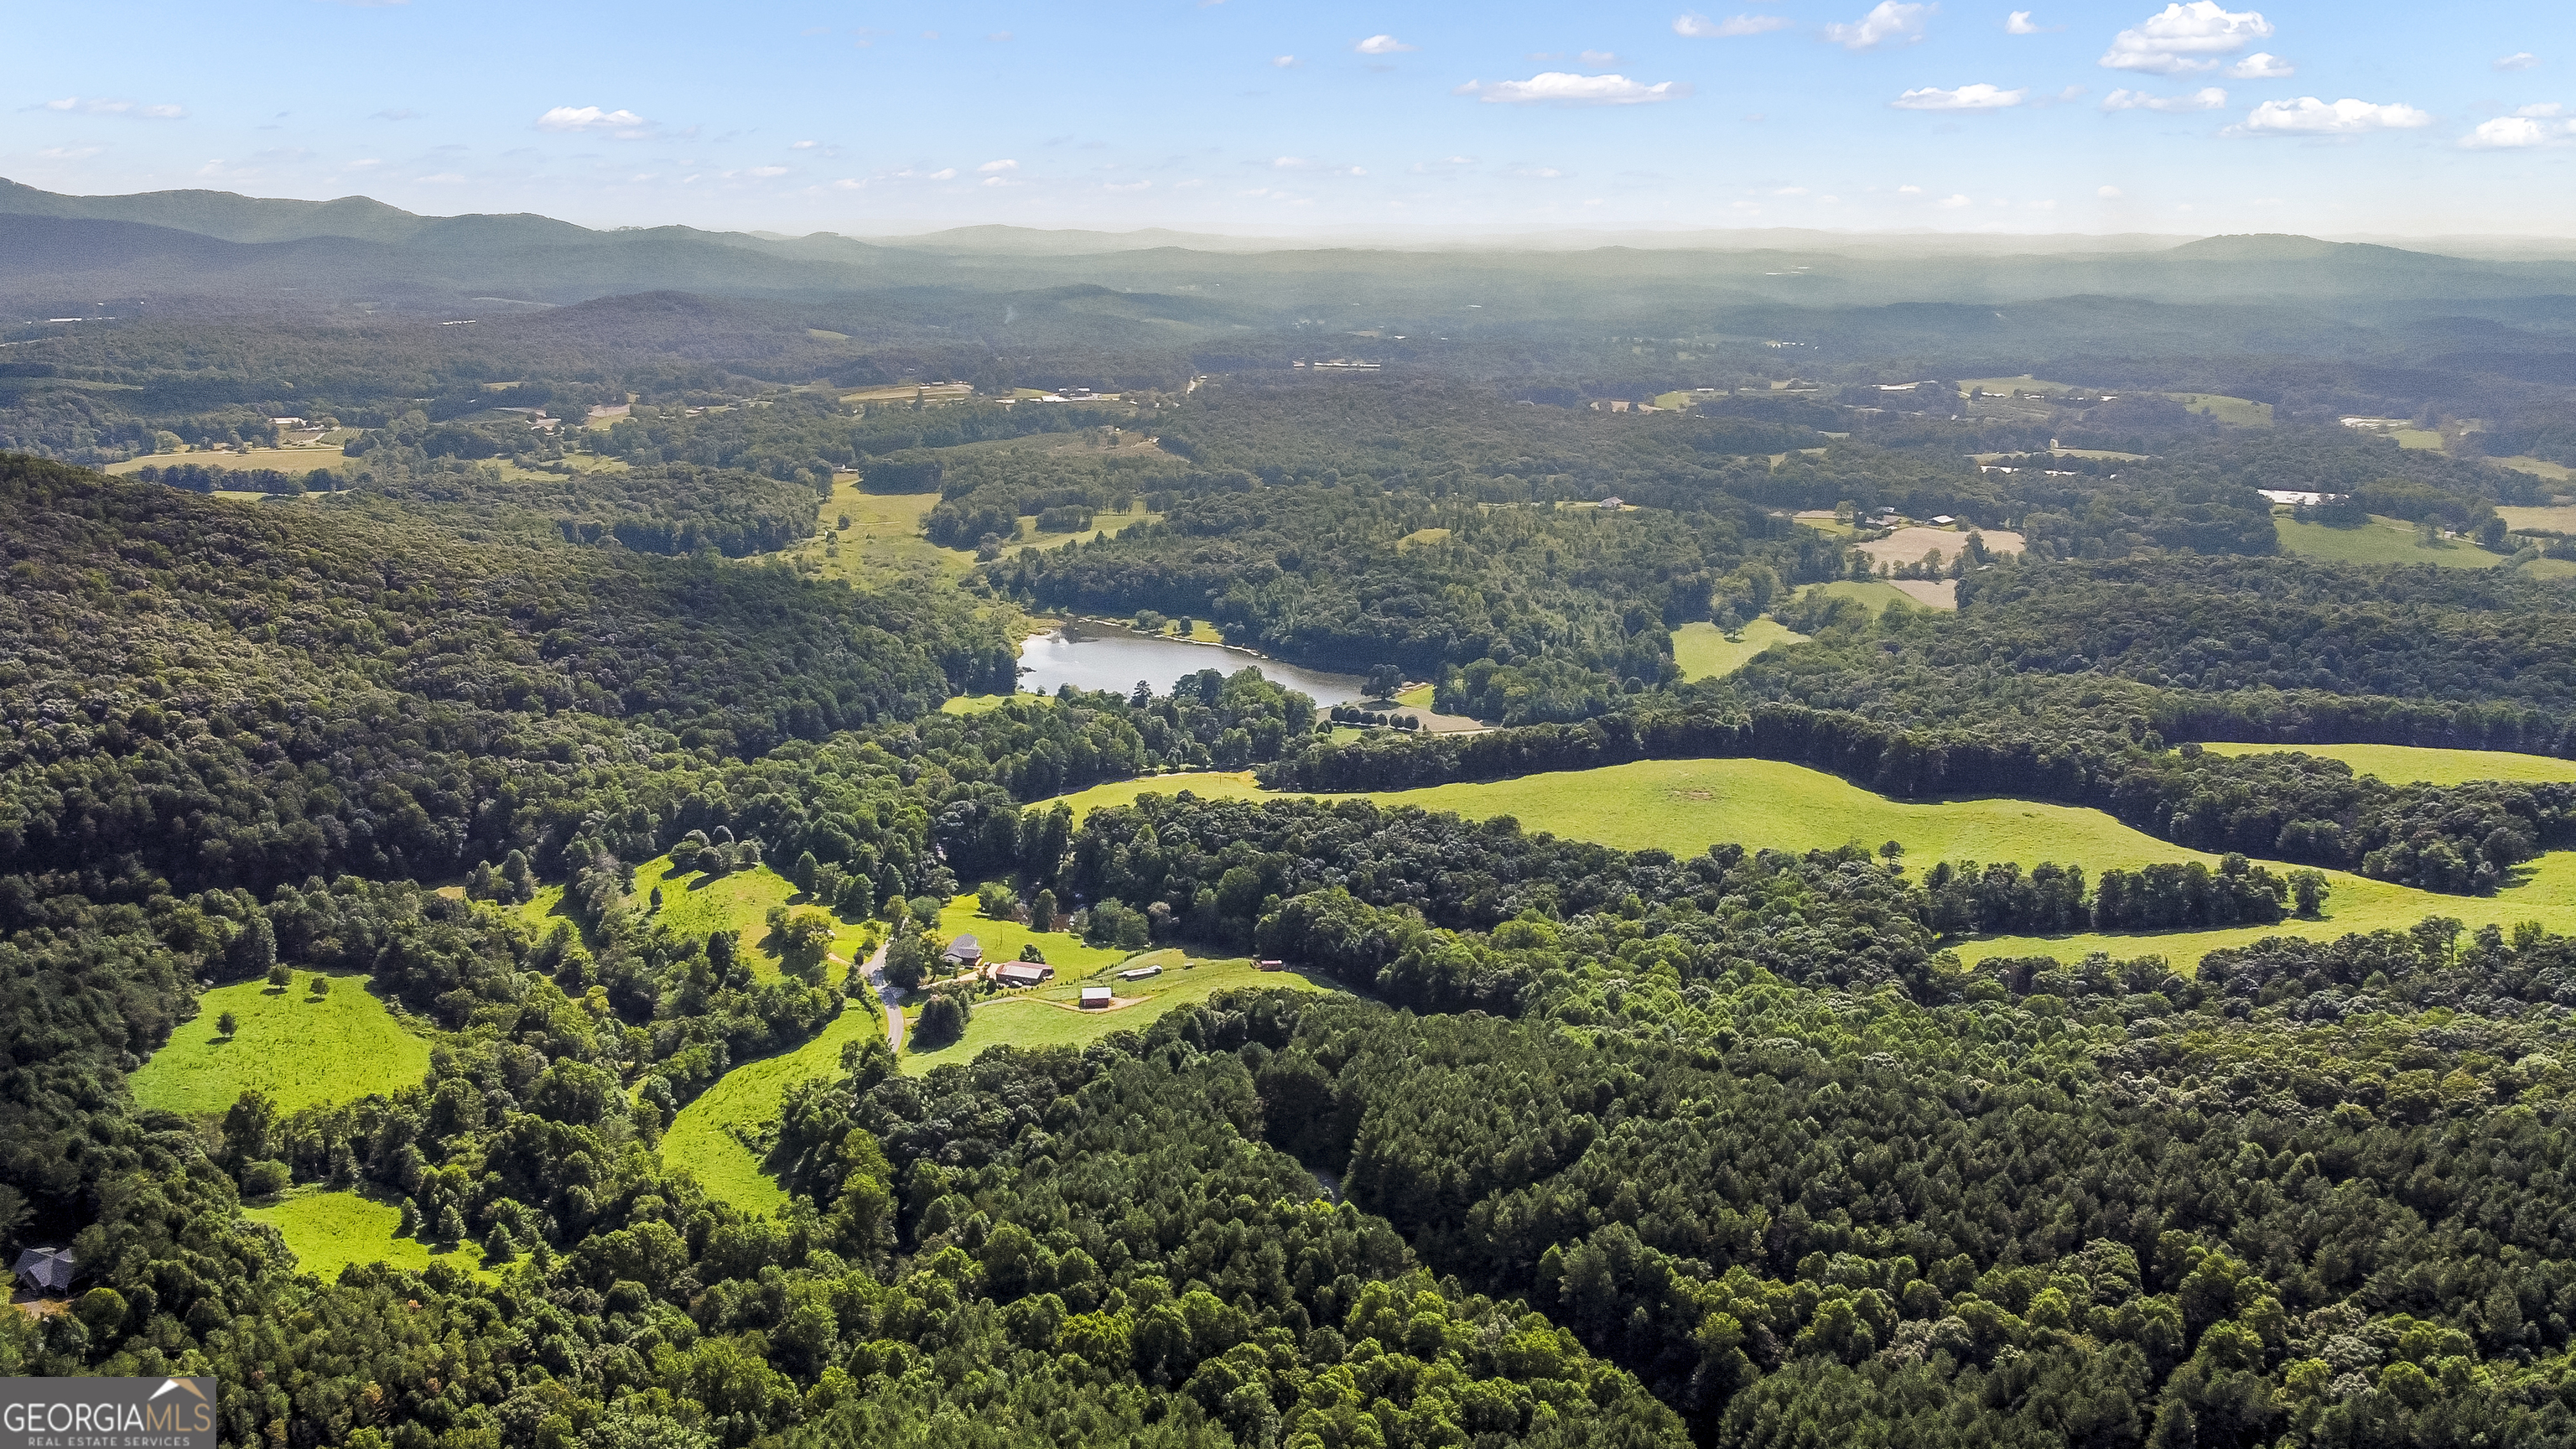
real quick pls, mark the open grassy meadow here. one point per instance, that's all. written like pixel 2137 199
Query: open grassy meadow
pixel 2407 764
pixel 2235 412
pixel 2544 891
pixel 2558 519
pixel 1705 653
pixel 328 1231
pixel 302 1050
pixel 712 1135
pixel 2380 541
pixel 697 904
pixel 1045 1016
pixel 1685 806
pixel 2538 468
pixel 975 703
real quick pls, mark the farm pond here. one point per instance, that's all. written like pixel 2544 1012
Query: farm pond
pixel 1096 656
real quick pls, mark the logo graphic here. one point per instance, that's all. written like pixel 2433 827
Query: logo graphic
pixel 164 1413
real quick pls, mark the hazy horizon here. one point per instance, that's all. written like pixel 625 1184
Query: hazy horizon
pixel 1336 119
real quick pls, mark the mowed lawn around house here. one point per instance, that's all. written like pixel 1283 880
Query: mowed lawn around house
pixel 2380 541
pixel 2409 764
pixel 1685 806
pixel 328 1231
pixel 302 1050
pixel 1047 1016
pixel 1704 652
pixel 712 1136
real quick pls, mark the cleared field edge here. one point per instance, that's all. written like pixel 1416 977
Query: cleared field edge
pixel 302 1050
pixel 2408 764
pixel 1633 812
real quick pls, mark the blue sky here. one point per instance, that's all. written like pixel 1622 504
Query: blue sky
pixel 1277 117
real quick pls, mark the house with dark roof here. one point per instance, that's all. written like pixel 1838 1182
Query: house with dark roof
pixel 964 953
pixel 47 1270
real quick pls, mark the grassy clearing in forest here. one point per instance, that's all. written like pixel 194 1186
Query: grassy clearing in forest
pixel 2235 412
pixel 2380 541
pixel 2407 764
pixel 712 1135
pixel 1685 806
pixel 295 462
pixel 302 1050
pixel 1705 653
pixel 328 1231
pixel 1876 593
pixel 1035 1018
pixel 697 904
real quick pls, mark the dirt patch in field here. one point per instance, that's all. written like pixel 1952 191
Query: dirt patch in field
pixel 1931 595
pixel 1908 545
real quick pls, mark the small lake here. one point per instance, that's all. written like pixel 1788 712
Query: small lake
pixel 1091 656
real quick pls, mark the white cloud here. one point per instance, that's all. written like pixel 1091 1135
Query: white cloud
pixel 2519 60
pixel 1291 163
pixel 1953 203
pixel 2020 23
pixel 1889 21
pixel 999 35
pixel 1700 27
pixel 623 124
pixel 802 145
pixel 1126 185
pixel 1283 61
pixel 767 171
pixel 1538 173
pixel 2308 116
pixel 992 167
pixel 1598 59
pixel 1790 191
pixel 2108 193
pixel 944 173
pixel 2544 110
pixel 1909 190
pixel 2185 37
pixel 100 106
pixel 69 153
pixel 1382 45
pixel 2207 98
pixel 2534 126
pixel 1979 97
pixel 1566 88
pixel 2262 65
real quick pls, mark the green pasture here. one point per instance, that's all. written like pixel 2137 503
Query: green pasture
pixel 1705 653
pixel 2543 891
pixel 975 703
pixel 1046 1016
pixel 2408 764
pixel 1422 537
pixel 328 1231
pixel 302 1050
pixel 2009 385
pixel 697 904
pixel 1685 806
pixel 2558 519
pixel 1418 697
pixel 2235 412
pixel 2380 541
pixel 2537 467
pixel 2421 440
pixel 711 1137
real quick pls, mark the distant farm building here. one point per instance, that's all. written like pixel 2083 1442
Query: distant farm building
pixel 1140 973
pixel 965 953
pixel 1023 973
pixel 1095 998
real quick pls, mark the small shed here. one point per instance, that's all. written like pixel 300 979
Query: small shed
pixel 1023 973
pixel 965 952
pixel 45 1269
pixel 1270 963
pixel 1095 998
pixel 1140 973
pixel 1943 520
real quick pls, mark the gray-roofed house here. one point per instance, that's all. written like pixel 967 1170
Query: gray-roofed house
pixel 47 1269
pixel 965 953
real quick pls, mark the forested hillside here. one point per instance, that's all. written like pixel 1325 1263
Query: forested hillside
pixel 606 697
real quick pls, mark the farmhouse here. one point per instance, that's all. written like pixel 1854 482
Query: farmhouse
pixel 1023 973
pixel 965 953
pixel 1095 998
